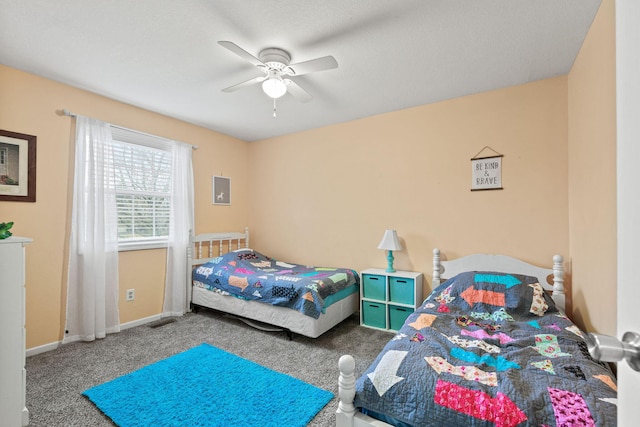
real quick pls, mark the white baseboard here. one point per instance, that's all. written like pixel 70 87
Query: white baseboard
pixel 54 345
pixel 140 322
pixel 42 348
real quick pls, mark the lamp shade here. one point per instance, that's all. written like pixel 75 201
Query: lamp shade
pixel 390 241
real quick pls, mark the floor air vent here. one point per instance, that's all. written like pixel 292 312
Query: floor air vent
pixel 161 322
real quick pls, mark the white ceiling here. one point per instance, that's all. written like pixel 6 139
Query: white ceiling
pixel 163 55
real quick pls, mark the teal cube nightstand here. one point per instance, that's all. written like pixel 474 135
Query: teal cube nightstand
pixel 388 298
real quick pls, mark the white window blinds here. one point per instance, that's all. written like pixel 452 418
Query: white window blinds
pixel 143 188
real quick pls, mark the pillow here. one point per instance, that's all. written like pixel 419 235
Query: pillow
pixel 487 291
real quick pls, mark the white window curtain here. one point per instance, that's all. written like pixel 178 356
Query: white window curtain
pixel 92 288
pixel 177 290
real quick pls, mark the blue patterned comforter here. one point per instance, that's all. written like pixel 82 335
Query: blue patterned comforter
pixel 250 275
pixel 488 349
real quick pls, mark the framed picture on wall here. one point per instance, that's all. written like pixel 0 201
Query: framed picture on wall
pixel 17 167
pixel 221 190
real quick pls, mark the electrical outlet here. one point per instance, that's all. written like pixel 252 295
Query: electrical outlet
pixel 131 294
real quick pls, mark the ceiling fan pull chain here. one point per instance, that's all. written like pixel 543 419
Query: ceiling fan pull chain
pixel 274 108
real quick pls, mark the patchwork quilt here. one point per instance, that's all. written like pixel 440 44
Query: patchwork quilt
pixel 250 275
pixel 488 349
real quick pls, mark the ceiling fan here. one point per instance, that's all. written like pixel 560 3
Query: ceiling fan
pixel 274 63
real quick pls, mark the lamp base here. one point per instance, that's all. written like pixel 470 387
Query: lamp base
pixel 390 268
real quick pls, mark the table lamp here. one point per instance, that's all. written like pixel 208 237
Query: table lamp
pixel 390 243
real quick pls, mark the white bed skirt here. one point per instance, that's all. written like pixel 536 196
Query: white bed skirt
pixel 278 316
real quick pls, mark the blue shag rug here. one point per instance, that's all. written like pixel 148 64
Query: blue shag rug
pixel 206 386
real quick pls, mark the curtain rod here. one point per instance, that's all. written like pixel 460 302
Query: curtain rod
pixel 65 112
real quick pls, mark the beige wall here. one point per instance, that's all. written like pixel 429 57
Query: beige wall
pixel 327 195
pixel 28 105
pixel 592 177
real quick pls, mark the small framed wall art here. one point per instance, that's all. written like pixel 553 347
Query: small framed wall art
pixel 221 190
pixel 17 167
pixel 486 171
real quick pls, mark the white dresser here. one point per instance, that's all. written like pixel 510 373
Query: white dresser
pixel 13 410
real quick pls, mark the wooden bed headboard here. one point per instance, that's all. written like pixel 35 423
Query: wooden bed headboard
pixel 503 264
pixel 208 246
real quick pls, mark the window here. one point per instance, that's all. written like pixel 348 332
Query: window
pixel 143 178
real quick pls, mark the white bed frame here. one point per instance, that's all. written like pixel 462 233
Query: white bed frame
pixel 348 416
pixel 205 247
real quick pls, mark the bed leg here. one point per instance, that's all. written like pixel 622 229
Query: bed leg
pixel 289 334
pixel 346 391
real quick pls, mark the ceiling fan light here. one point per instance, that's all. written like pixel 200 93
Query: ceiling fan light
pixel 274 87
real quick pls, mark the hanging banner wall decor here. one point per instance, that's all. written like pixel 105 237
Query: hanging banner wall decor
pixel 486 171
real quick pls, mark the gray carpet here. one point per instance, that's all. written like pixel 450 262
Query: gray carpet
pixel 55 379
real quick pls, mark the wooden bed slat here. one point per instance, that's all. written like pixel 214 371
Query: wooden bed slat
pixel 196 242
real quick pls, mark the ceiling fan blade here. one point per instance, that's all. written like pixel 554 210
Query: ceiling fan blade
pixel 296 91
pixel 241 52
pixel 245 84
pixel 313 65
